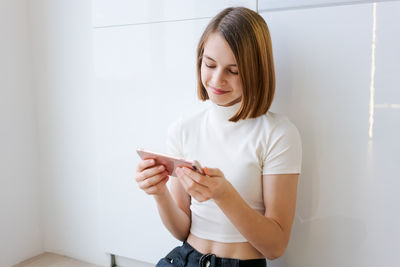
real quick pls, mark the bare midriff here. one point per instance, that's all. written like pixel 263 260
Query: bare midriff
pixel 241 250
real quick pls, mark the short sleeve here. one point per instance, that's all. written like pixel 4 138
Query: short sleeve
pixel 174 139
pixel 283 153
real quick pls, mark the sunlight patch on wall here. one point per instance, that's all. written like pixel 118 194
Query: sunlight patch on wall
pixel 372 85
pixel 395 106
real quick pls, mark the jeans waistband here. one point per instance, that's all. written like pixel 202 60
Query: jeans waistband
pixel 211 260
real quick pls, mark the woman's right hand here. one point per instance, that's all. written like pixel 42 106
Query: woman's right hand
pixel 151 178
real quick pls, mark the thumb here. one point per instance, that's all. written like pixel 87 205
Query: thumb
pixel 212 171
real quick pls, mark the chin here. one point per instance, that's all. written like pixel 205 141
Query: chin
pixel 223 100
pixel 229 102
pixel 219 102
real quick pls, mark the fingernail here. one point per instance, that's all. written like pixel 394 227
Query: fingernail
pixel 161 168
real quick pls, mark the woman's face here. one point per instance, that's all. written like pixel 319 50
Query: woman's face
pixel 219 72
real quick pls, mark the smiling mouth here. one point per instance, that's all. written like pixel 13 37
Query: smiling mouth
pixel 218 91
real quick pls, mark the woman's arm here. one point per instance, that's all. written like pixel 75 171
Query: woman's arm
pixel 174 209
pixel 173 205
pixel 268 233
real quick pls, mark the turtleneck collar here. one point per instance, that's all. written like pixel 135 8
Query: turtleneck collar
pixel 222 113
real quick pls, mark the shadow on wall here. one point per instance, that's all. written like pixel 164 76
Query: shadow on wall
pixel 324 242
pixel 330 240
pixel 320 237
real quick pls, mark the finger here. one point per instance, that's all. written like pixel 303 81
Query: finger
pixel 153 181
pixel 187 184
pixel 144 164
pixel 190 185
pixel 197 177
pixel 156 188
pixel 147 173
pixel 212 172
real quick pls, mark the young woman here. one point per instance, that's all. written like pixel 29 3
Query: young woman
pixel 241 211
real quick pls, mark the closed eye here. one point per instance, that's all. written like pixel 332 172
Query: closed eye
pixel 212 67
pixel 233 72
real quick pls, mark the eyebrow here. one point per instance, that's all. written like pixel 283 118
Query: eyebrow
pixel 210 58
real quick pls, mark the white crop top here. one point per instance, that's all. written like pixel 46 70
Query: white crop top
pixel 243 151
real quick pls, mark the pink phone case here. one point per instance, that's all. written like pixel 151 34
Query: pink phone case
pixel 170 162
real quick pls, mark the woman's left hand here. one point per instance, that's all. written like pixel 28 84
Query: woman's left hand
pixel 212 185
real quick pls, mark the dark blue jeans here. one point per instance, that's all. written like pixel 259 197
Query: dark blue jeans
pixel 187 256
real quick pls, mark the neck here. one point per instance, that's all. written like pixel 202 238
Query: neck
pixel 224 113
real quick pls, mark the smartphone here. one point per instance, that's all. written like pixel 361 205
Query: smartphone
pixel 170 162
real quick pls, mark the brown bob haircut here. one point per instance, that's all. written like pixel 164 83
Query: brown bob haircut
pixel 248 36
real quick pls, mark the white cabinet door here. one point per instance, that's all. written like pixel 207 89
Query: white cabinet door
pixel 122 12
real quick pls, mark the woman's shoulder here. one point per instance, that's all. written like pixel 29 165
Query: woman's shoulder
pixel 282 148
pixel 277 128
pixel 272 121
pixel 189 120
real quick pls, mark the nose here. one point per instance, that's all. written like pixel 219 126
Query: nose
pixel 218 77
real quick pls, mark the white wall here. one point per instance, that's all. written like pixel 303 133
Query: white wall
pixel 20 220
pixel 62 53
pixel 328 65
pixel 281 5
